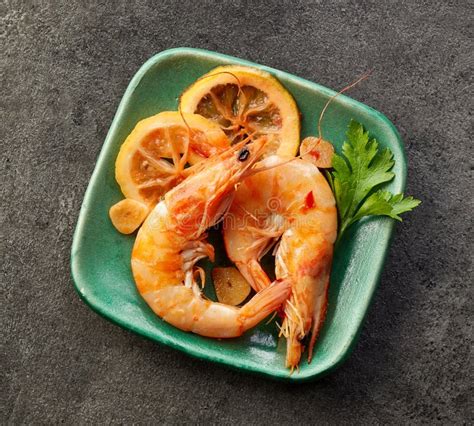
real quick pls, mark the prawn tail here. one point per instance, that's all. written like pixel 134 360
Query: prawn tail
pixel 318 318
pixel 294 349
pixel 254 274
pixel 292 329
pixel 264 303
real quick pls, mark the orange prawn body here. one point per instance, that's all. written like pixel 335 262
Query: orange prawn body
pixel 291 205
pixel 173 238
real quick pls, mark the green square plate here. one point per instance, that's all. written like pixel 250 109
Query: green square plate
pixel 100 258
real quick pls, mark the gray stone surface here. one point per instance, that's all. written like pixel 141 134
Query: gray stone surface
pixel 65 67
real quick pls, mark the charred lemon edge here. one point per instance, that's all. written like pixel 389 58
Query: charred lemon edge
pixel 162 120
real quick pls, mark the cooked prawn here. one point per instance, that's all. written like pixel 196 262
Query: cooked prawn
pixel 294 204
pixel 172 239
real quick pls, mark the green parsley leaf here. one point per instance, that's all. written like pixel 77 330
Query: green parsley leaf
pixel 355 176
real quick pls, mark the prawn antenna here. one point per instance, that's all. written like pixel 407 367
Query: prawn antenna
pixel 260 169
pixel 226 72
pixel 184 157
pixel 240 92
pixel 345 89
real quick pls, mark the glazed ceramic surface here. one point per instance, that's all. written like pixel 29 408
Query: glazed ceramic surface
pixel 100 258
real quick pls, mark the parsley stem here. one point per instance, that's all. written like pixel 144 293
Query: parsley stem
pixel 344 225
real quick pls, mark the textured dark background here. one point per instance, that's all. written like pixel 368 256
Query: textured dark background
pixel 65 67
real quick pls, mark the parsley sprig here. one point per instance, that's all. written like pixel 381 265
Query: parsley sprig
pixel 356 176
